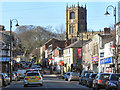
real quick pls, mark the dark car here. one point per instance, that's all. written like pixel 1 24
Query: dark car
pixel 90 79
pixel 83 75
pixel 63 76
pixel 100 80
pixel 113 82
pixel 85 78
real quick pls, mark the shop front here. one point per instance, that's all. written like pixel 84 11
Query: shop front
pixel 105 65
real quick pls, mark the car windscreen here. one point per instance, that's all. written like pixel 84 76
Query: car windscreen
pixel 104 76
pixel 115 77
pixel 33 74
pixel 75 74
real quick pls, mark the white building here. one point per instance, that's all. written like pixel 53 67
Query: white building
pixel 118 41
pixel 107 58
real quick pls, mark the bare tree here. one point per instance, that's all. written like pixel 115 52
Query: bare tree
pixel 60 31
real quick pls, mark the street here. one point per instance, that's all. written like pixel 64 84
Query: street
pixel 50 81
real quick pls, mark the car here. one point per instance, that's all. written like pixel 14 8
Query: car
pixel 21 73
pixel 71 76
pixel 29 70
pixel 85 78
pixel 1 81
pixel 38 67
pixel 90 79
pixel 83 75
pixel 63 76
pixel 14 77
pixel 100 80
pixel 33 78
pixel 17 74
pixel 113 82
pixel 5 78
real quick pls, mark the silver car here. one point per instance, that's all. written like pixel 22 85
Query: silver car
pixel 72 76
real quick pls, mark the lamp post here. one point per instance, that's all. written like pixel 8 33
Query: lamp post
pixel 11 46
pixel 107 13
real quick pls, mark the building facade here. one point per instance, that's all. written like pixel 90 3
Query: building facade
pixel 118 42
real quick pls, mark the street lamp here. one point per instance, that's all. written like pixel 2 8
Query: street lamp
pixel 11 45
pixel 107 13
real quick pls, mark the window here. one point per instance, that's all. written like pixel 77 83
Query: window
pixel 72 15
pixel 82 15
pixel 72 30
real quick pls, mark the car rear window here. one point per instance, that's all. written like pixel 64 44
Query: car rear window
pixel 115 77
pixel 93 75
pixel 75 74
pixel 33 74
pixel 104 76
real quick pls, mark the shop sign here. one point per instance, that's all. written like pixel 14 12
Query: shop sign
pixel 95 59
pixel 79 53
pixel 106 60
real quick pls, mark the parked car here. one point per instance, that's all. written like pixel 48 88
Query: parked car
pixel 113 82
pixel 100 80
pixel 63 76
pixel 90 79
pixel 21 73
pixel 6 79
pixel 1 81
pixel 17 74
pixel 14 77
pixel 83 75
pixel 71 76
pixel 33 78
pixel 85 78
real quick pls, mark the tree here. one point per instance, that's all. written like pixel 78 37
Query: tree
pixel 60 31
pixel 32 37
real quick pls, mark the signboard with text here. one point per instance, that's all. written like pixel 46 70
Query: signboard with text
pixel 79 53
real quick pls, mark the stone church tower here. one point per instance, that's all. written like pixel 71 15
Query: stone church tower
pixel 76 20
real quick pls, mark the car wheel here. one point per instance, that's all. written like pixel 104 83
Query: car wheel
pixel 96 87
pixel 25 85
pixel 41 84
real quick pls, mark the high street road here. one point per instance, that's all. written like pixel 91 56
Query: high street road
pixel 51 81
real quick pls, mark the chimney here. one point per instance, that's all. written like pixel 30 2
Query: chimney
pixel 106 30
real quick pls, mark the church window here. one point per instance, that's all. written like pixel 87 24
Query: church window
pixel 72 30
pixel 72 15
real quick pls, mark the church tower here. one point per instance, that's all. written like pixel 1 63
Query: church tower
pixel 76 20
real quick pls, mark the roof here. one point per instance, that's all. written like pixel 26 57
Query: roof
pixel 76 44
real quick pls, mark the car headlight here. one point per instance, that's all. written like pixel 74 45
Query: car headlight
pixel 112 84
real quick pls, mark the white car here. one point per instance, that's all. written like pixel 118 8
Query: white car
pixel 33 78
pixel 21 73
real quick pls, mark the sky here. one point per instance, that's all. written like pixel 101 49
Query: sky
pixel 53 13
